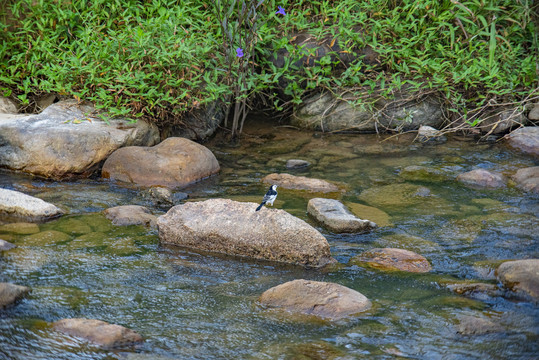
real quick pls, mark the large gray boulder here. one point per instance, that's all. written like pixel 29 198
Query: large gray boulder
pixel 101 333
pixel 521 277
pixel 174 163
pixel 65 140
pixel 329 112
pixel 336 217
pixel 328 301
pixel 10 293
pixel 235 228
pixel 16 205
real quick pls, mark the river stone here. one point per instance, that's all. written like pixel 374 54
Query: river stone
pixel 130 215
pixel 430 135
pixel 175 162
pixel 45 238
pixel 336 217
pixel 6 245
pixel 395 195
pixel 474 325
pixel 521 276
pixel 381 218
pixel 14 204
pixel 288 181
pixel 525 139
pixel 7 106
pixel 527 179
pixel 328 112
pixel 21 228
pixel 393 259
pixel 10 293
pixel 533 115
pixel 471 289
pixel 325 300
pixel 61 142
pixel 423 173
pixel 482 179
pixel 297 164
pixel 235 228
pixel 99 332
pixel 70 226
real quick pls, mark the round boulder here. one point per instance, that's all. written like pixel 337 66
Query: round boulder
pixel 287 181
pixel 174 163
pixel 336 217
pixel 527 179
pixel 328 301
pixel 525 139
pixel 16 205
pixel 393 259
pixel 482 179
pixel 521 276
pixel 235 228
pixel 99 332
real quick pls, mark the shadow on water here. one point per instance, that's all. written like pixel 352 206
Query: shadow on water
pixel 202 306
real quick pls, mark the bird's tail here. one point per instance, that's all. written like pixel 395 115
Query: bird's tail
pixel 260 206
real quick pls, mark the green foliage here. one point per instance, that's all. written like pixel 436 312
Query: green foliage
pixel 157 59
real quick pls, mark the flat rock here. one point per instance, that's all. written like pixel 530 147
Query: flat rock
pixel 174 163
pixel 16 205
pixel 297 164
pixel 235 228
pixel 130 215
pixel 336 217
pixel 525 139
pixel 482 179
pixel 521 276
pixel 99 332
pixel 288 181
pixel 328 301
pixel 10 293
pixel 393 259
pixel 6 245
pixel 527 179
pixel 474 325
pixel 63 141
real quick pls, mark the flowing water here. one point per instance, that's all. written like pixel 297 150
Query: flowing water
pixel 191 305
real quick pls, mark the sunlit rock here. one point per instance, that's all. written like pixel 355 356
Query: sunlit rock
pixel 6 245
pixel 235 228
pixel 10 293
pixel 130 215
pixel 525 139
pixel 521 277
pixel 99 332
pixel 65 140
pixel 174 163
pixel 393 259
pixel 14 204
pixel 527 179
pixel 288 181
pixel 336 217
pixel 325 300
pixel 482 179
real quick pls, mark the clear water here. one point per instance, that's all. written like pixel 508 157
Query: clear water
pixel 191 305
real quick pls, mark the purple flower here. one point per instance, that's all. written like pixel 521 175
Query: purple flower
pixel 280 11
pixel 239 52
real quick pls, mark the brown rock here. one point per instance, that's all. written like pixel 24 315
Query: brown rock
pixel 288 181
pixel 521 276
pixel 481 178
pixel 99 332
pixel 234 228
pixel 336 217
pixel 10 293
pixel 525 139
pixel 174 163
pixel 325 300
pixel 393 259
pixel 130 215
pixel 527 179
pixel 473 288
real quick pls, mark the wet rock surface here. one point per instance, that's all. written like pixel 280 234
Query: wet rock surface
pixel 11 293
pixel 99 332
pixel 234 228
pixel 297 164
pixel 525 139
pixel 16 205
pixel 293 182
pixel 482 178
pixel 328 301
pixel 174 163
pixel 336 217
pixel 130 215
pixel 393 259
pixel 475 325
pixel 66 141
pixel 527 179
pixel 521 277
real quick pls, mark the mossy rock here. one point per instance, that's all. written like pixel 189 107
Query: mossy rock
pixel 21 228
pixel 365 212
pixel 423 173
pixel 283 146
pixel 69 225
pixel 409 242
pixel 124 246
pixel 44 238
pixel 90 240
pixel 395 195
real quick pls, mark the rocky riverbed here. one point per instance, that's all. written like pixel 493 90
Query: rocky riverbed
pixel 390 247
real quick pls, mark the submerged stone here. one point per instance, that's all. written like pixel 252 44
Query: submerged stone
pixel 482 179
pixel 393 259
pixel 423 173
pixel 474 325
pixel 381 218
pixel 297 164
pixel 20 228
pixel 325 300
pixel 45 238
pixel 395 195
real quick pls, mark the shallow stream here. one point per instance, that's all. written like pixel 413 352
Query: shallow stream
pixel 191 305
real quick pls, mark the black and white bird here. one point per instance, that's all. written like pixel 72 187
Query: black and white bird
pixel 269 198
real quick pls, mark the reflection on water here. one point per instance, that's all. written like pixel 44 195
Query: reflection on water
pixel 202 306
